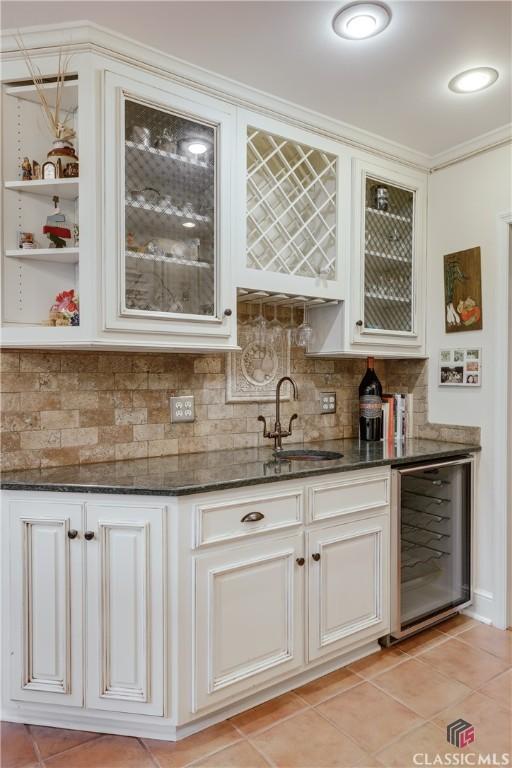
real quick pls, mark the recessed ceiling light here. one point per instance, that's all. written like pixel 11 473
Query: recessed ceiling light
pixel 358 21
pixel 197 148
pixel 188 224
pixel 472 80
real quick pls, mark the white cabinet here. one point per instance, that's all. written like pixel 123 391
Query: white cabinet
pixel 385 310
pixel 292 209
pixel 46 601
pixel 348 584
pixel 121 599
pixel 166 223
pixel 125 608
pixel 248 617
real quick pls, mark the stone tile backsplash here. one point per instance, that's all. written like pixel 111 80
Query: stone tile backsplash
pixel 69 407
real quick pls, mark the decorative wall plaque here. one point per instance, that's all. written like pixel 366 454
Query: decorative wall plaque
pixel 253 373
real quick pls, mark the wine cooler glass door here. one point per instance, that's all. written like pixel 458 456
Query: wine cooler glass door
pixel 435 540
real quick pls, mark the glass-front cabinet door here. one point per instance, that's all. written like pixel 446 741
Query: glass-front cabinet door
pixel 388 228
pixel 170 191
pixel 169 212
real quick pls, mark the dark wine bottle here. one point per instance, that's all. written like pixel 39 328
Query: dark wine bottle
pixel 370 405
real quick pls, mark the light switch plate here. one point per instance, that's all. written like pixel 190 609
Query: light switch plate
pixel 328 402
pixel 182 409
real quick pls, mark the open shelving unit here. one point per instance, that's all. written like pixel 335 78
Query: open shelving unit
pixel 33 277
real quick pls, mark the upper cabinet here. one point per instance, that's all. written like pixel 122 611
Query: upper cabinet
pixel 384 313
pixel 184 198
pixel 166 224
pixel 292 222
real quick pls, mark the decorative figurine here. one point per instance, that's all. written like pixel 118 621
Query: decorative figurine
pixel 26 240
pixel 49 170
pixel 26 170
pixel 54 226
pixel 65 310
pixel 36 170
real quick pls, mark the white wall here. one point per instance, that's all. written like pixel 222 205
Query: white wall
pixel 465 201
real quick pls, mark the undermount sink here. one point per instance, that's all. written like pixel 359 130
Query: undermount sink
pixel 308 455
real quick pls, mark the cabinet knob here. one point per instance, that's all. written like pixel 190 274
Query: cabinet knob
pixel 89 535
pixel 316 556
pixel 359 323
pixel 72 534
pixel 228 312
pixel 300 561
pixel 252 517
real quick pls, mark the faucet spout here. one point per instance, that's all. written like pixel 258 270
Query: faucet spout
pixel 278 432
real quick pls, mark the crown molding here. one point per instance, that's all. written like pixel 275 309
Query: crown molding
pixel 86 36
pixel 498 137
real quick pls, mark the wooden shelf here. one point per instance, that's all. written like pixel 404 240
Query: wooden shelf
pixel 388 257
pixel 69 101
pixel 159 153
pixel 169 259
pixel 388 215
pixel 379 297
pixel 57 255
pixel 174 212
pixel 67 189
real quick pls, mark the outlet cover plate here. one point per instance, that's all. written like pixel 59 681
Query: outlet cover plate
pixel 328 402
pixel 182 409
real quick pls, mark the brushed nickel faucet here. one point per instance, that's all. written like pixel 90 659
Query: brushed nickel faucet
pixel 278 432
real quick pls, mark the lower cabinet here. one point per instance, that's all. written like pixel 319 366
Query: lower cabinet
pixel 248 617
pixel 348 584
pixel 46 600
pixel 125 609
pixel 79 565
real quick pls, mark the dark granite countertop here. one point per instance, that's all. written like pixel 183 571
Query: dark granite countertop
pixel 217 470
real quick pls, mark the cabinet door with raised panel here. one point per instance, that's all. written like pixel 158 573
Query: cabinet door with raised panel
pixel 248 627
pixel 348 584
pixel 46 601
pixel 124 557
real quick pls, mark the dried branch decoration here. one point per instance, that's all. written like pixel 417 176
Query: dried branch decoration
pixel 57 123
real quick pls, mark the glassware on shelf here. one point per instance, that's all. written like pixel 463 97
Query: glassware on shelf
pixel 166 202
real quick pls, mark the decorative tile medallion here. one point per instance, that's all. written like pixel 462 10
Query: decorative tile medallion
pixel 252 373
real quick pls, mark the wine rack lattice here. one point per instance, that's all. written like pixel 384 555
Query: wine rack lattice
pixel 291 207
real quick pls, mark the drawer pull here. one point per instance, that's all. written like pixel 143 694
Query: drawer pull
pixel 252 517
pixel 72 534
pixel 300 561
pixel 316 556
pixel 89 535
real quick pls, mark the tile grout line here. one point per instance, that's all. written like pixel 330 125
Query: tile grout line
pixel 152 757
pixel 214 751
pixel 68 749
pixel 34 745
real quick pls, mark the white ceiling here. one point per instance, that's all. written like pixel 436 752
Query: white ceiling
pixel 394 85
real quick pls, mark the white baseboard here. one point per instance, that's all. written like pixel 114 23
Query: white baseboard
pixel 482 608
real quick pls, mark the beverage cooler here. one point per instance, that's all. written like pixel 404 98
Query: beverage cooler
pixel 431 544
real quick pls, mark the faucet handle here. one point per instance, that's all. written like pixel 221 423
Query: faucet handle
pixel 292 418
pixel 265 430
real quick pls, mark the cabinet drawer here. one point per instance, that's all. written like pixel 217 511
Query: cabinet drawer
pixel 225 520
pixel 352 494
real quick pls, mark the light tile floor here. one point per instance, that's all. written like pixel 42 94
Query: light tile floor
pixel 379 711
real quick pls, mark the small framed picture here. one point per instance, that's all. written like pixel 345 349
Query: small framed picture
pixel 49 170
pixel 460 367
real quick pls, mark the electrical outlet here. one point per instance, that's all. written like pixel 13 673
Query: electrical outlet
pixel 328 402
pixel 182 408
